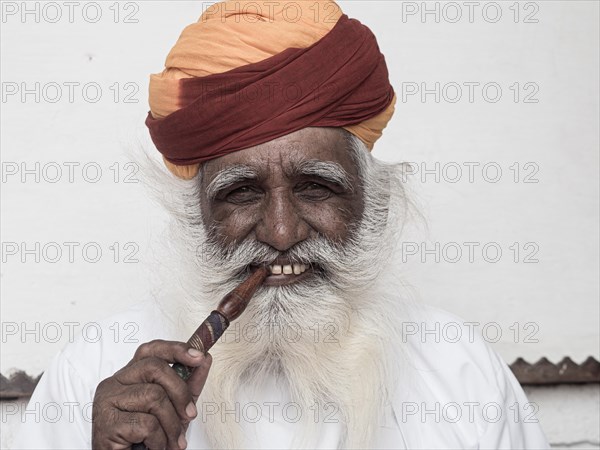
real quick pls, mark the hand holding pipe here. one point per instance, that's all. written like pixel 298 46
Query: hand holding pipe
pixel 213 327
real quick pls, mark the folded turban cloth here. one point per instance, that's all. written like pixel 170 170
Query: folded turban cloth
pixel 251 71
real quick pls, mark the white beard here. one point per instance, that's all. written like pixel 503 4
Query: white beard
pixel 329 339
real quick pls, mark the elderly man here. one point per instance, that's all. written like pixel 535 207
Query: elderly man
pixel 265 116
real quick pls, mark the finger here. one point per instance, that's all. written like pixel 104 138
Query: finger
pixel 140 427
pixel 152 399
pixel 171 351
pixel 131 428
pixel 198 378
pixel 156 371
pixel 196 383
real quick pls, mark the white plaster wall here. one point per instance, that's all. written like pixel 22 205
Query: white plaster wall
pixel 544 308
pixel 569 415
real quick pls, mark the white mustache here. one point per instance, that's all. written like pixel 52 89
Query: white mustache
pixel 234 260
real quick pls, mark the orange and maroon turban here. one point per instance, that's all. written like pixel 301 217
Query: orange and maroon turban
pixel 251 71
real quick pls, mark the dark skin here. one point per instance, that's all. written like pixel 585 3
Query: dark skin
pixel 146 401
pixel 282 208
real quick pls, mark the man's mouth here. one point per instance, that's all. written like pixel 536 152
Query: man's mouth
pixel 287 269
pixel 281 274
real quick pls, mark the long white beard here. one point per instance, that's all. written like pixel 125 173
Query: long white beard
pixel 333 338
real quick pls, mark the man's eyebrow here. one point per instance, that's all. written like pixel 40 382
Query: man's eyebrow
pixel 329 171
pixel 228 177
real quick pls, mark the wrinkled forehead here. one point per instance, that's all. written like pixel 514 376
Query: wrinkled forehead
pixel 285 155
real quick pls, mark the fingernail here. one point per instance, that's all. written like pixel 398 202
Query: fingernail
pixel 182 442
pixel 195 353
pixel 191 410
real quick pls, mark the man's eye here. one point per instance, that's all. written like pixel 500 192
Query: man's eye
pixel 244 194
pixel 314 191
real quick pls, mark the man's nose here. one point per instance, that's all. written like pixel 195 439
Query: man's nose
pixel 281 225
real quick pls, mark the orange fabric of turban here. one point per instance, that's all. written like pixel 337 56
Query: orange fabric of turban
pixel 248 72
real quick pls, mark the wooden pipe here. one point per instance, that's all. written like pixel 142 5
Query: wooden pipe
pixel 213 327
pixel 229 309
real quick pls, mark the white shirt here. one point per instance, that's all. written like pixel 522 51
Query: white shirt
pixel 460 395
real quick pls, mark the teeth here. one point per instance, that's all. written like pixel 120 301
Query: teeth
pixel 287 269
